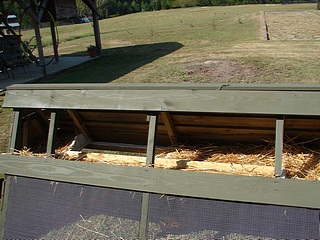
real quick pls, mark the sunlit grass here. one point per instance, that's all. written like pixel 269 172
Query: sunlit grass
pixel 233 33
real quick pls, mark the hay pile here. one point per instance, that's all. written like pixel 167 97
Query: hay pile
pixel 110 227
pixel 299 161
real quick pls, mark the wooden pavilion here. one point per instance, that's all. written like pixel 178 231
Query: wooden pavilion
pixel 48 11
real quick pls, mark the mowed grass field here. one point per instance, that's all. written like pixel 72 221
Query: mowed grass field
pixel 203 44
pixel 194 45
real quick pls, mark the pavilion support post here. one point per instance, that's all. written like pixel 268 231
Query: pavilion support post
pixel 153 120
pixel 40 49
pixel 54 41
pixel 96 29
pixel 28 10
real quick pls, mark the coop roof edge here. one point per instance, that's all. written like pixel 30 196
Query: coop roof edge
pixel 259 99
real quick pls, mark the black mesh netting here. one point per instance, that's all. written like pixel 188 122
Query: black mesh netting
pixel 192 218
pixel 41 209
pixel 54 210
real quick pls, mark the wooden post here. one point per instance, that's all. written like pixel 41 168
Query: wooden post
pixel 54 40
pixel 279 146
pixel 40 49
pixel 52 133
pixel 25 130
pixel 5 188
pixel 95 20
pixel 14 131
pixel 153 120
pixel 166 118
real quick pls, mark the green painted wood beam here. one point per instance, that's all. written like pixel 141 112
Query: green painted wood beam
pixel 16 123
pixel 52 133
pixel 167 86
pixel 279 146
pixel 151 145
pixel 4 202
pixel 144 219
pixel 175 100
pixel 276 191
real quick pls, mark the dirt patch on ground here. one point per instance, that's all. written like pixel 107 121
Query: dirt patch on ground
pixel 293 25
pixel 223 71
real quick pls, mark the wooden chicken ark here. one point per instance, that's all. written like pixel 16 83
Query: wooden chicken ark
pixel 146 118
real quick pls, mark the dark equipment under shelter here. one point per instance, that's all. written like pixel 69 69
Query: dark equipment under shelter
pixel 40 11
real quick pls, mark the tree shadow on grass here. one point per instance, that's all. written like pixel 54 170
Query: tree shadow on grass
pixel 115 63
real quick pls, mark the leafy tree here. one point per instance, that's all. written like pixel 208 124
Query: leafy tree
pixel 143 6
pixel 158 5
pixel 126 8
pixel 82 8
pixel 166 4
pixel 111 7
pixel 135 7
pixel 120 10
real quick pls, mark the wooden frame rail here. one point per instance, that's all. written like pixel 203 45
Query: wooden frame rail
pixel 277 191
pixel 273 99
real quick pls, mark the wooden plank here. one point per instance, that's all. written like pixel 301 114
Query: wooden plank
pixel 151 145
pixel 52 133
pixel 170 86
pixel 111 120
pixel 202 185
pixel 312 124
pixel 217 120
pixel 4 202
pixel 79 123
pixel 166 118
pixel 106 126
pixel 250 102
pixel 14 132
pixel 118 117
pixel 124 147
pixel 197 130
pixel 144 219
pixel 279 146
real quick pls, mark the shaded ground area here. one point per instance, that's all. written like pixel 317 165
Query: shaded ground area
pixel 33 73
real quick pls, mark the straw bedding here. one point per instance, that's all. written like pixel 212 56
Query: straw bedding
pixel 299 161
